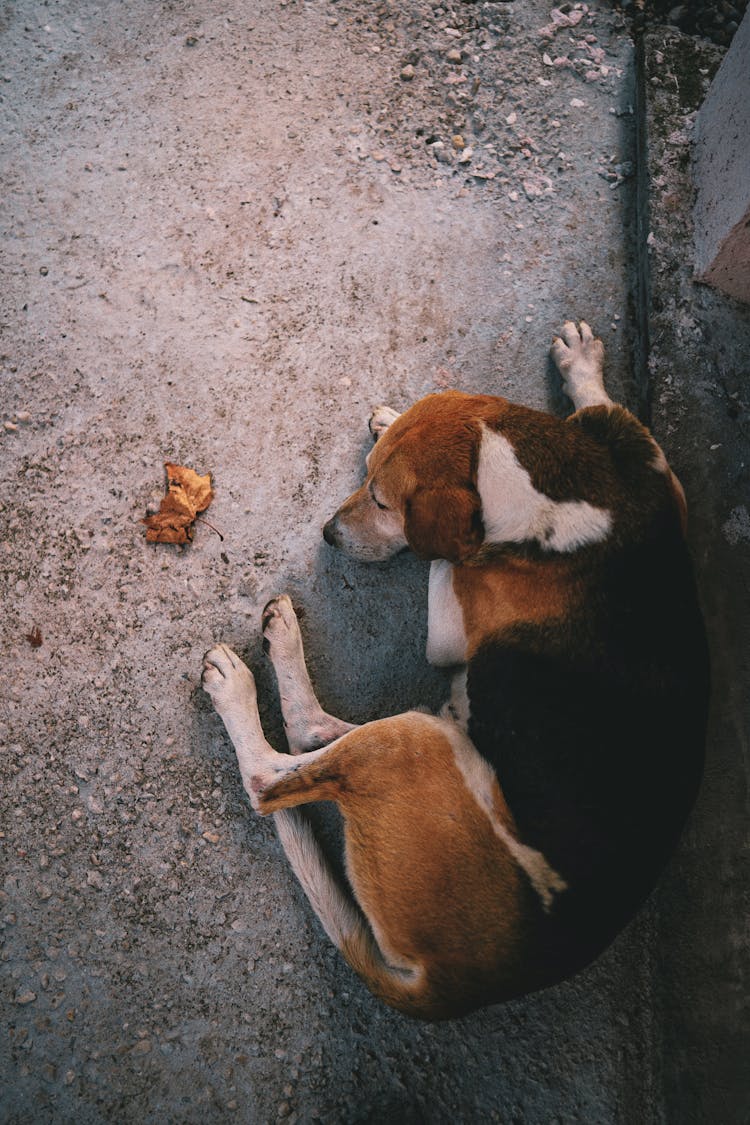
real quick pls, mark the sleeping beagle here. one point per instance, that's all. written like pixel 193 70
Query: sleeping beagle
pixel 500 846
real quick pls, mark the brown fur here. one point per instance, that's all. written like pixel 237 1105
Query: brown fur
pixel 600 455
pixel 457 927
pixel 498 595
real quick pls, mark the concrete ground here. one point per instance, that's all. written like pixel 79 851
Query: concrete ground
pixel 229 230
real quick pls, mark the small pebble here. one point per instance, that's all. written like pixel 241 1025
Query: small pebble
pixel 407 74
pixel 10 427
pixel 454 55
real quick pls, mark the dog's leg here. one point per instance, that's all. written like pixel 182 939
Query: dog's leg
pixel 446 634
pixel 380 419
pixel 579 356
pixel 406 798
pixel 231 686
pixel 307 725
pixel 276 783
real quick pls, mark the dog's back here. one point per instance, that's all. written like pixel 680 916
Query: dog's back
pixel 595 720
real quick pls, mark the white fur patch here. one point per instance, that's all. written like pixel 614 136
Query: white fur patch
pixel 446 635
pixel 480 781
pixel 335 910
pixel 513 510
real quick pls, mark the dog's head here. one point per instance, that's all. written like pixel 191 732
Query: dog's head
pixel 420 490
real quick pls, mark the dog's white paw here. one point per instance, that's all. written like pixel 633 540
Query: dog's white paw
pixel 282 639
pixel 578 348
pixel 579 356
pixel 380 419
pixel 228 680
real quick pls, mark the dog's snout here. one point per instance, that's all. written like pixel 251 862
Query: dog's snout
pixel 331 533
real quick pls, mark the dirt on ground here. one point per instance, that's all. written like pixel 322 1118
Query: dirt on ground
pixel 228 231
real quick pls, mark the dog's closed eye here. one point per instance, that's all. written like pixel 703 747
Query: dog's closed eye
pixel 383 507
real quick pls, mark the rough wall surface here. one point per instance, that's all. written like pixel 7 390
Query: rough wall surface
pixel 722 174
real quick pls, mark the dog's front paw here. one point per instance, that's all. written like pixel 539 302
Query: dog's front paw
pixel 282 639
pixel 380 419
pixel 227 679
pixel 579 356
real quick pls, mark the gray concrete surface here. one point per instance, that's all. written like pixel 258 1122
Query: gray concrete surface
pixel 228 230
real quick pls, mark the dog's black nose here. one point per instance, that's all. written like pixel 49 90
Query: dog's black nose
pixel 330 534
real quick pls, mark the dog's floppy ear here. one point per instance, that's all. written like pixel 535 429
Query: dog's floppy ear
pixel 444 523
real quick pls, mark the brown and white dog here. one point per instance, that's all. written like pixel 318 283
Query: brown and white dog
pixel 499 847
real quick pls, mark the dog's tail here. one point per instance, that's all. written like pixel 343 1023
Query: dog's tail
pixel 344 922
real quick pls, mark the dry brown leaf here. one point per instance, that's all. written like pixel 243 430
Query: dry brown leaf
pixel 187 495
